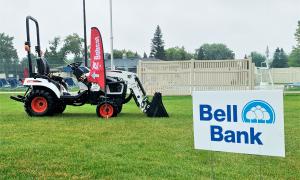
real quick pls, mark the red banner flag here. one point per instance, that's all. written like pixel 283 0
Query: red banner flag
pixel 97 71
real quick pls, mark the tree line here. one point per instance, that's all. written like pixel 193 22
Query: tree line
pixel 62 51
pixel 205 52
pixel 219 51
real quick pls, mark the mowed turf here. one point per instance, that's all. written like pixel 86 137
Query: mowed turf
pixel 79 145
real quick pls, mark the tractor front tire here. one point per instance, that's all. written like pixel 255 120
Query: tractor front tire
pixel 39 103
pixel 119 108
pixel 59 107
pixel 106 110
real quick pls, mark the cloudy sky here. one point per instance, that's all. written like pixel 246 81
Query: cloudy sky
pixel 244 25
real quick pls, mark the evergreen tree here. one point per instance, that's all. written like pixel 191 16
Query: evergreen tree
pixel 297 35
pixel 145 56
pixel 283 58
pixel 294 57
pixel 157 46
pixel 136 55
pixel 200 54
pixel 279 59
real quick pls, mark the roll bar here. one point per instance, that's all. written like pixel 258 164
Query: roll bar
pixel 28 42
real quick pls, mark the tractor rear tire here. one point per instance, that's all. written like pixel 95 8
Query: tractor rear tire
pixel 39 103
pixel 107 110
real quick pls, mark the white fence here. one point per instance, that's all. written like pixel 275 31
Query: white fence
pixel 182 77
pixel 285 75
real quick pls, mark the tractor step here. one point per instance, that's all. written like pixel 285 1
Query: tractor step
pixel 18 98
pixel 73 99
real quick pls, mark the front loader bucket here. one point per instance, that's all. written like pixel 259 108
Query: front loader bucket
pixel 157 108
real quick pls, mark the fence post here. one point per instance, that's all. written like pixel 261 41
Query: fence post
pixel 251 73
pixel 139 69
pixel 192 68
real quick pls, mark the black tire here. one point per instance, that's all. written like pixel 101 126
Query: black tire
pixel 107 110
pixel 59 107
pixel 39 103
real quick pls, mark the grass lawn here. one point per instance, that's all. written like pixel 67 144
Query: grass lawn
pixel 78 144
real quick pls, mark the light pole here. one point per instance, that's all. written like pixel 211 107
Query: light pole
pixel 84 30
pixel 111 38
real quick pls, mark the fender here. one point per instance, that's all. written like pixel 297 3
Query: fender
pixel 43 83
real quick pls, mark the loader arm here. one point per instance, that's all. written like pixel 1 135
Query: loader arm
pixel 135 87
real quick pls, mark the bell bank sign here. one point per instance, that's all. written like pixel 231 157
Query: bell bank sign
pixel 248 122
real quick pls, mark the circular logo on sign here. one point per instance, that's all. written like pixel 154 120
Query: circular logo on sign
pixel 258 112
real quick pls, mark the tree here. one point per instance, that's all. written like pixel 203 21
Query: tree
pixel 157 45
pixel 280 59
pixel 283 58
pixel 8 54
pixel 136 55
pixel 73 45
pixel 257 58
pixel 145 56
pixel 297 35
pixel 200 54
pixel 119 54
pixel 214 52
pixel 294 57
pixel 55 56
pixel 177 53
pixel 24 61
pixel 130 54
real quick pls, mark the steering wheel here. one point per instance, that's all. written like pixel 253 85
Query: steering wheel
pixel 75 64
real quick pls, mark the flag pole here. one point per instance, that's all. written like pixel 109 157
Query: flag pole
pixel 84 30
pixel 112 67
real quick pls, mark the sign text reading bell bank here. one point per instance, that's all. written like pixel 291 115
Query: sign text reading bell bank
pixel 248 122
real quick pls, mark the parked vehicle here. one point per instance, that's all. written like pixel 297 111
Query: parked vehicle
pixel 14 83
pixel 5 83
pixel 293 85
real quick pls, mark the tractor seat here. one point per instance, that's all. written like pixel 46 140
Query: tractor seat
pixel 42 66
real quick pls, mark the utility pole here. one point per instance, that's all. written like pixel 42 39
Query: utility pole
pixel 112 66
pixel 84 30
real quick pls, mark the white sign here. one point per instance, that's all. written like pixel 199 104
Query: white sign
pixel 248 122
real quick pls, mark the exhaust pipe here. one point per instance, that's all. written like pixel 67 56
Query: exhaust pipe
pixel 157 108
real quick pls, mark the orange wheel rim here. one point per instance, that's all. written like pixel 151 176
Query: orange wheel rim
pixel 39 104
pixel 106 110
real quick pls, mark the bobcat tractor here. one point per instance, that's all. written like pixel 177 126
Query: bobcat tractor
pixel 47 94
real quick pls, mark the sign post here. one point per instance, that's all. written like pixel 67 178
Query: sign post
pixel 249 122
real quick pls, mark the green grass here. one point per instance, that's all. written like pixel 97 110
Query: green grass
pixel 293 89
pixel 79 145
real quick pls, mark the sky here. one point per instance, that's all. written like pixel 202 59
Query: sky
pixel 243 25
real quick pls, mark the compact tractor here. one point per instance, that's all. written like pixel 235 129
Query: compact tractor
pixel 48 94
